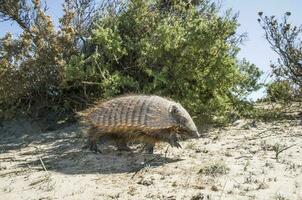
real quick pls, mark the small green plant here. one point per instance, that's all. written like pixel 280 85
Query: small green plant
pixel 278 148
pixel 279 197
pixel 262 185
pixel 214 169
pixel 247 164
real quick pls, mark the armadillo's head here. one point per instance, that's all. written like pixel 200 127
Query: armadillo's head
pixel 184 121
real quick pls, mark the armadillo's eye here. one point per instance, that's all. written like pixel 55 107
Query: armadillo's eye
pixel 178 115
pixel 182 120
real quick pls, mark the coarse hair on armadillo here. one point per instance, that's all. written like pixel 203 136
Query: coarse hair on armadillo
pixel 144 117
pixel 133 112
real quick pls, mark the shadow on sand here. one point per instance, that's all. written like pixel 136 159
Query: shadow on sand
pixel 61 151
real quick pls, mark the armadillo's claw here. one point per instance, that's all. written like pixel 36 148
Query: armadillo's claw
pixel 122 146
pixel 94 148
pixel 175 144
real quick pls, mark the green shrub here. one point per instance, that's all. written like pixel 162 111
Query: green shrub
pixel 280 91
pixel 187 54
pixel 186 51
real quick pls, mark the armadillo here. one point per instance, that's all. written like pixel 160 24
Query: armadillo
pixel 145 118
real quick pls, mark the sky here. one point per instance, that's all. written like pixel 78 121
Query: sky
pixel 255 49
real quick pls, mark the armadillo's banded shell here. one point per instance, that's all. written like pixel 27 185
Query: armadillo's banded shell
pixel 139 112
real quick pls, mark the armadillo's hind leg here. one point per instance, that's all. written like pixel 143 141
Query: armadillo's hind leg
pixel 92 140
pixel 93 146
pixel 149 148
pixel 122 145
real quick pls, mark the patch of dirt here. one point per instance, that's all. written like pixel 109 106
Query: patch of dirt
pixel 248 160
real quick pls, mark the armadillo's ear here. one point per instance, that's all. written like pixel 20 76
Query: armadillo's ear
pixel 175 113
pixel 173 110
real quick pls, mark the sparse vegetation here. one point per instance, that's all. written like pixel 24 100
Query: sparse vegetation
pixel 214 169
pixel 279 197
pixel 244 173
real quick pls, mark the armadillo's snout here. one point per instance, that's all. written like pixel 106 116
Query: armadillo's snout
pixel 195 134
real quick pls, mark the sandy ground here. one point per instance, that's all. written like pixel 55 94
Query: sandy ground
pixel 247 160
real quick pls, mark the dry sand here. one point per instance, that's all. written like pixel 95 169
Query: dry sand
pixel 247 160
